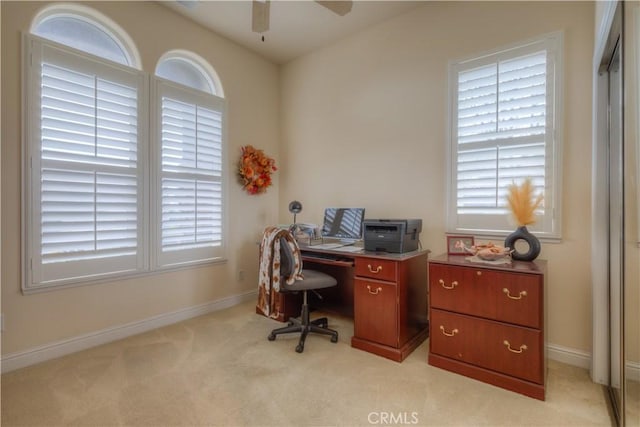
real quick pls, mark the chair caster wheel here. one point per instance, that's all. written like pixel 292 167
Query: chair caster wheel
pixel 271 337
pixel 334 338
pixel 299 348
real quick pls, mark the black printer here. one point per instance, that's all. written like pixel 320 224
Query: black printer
pixel 391 235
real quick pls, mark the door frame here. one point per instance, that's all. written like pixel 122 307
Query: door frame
pixel 609 39
pixel 600 212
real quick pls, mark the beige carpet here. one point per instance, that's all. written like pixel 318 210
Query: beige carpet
pixel 220 369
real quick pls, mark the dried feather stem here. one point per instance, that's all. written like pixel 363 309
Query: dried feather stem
pixel 523 203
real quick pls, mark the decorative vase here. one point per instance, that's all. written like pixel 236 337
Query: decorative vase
pixel 523 234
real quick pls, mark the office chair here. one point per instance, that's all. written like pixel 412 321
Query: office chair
pixel 312 280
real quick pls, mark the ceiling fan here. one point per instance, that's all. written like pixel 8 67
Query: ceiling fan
pixel 260 12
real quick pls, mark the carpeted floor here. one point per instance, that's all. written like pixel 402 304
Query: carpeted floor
pixel 220 369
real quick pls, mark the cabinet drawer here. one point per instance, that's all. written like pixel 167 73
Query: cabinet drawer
pixel 508 349
pixel 379 269
pixel 504 296
pixel 375 316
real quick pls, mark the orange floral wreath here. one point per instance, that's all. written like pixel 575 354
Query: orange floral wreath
pixel 255 169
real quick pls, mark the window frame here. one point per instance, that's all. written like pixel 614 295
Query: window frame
pixel 33 48
pixel 181 257
pixel 95 18
pixel 551 222
pixel 31 144
pixel 198 63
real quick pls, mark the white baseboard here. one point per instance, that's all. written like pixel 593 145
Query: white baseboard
pixel 581 359
pixel 633 371
pixel 45 352
pixel 570 356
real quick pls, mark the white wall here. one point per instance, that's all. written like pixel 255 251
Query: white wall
pixel 251 86
pixel 364 123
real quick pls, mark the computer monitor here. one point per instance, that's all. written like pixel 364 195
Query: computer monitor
pixel 343 223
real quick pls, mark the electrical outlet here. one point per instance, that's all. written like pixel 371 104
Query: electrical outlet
pixel 240 275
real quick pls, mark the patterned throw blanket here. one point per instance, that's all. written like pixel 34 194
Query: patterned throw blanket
pixel 270 277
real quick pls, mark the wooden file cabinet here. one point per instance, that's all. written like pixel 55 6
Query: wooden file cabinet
pixel 487 322
pixel 389 305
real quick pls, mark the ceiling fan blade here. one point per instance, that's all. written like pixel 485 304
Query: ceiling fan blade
pixel 339 7
pixel 260 16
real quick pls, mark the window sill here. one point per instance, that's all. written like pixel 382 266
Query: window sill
pixel 500 236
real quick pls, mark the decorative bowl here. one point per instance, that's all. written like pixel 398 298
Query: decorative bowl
pixel 489 251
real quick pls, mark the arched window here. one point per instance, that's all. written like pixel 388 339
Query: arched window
pixel 102 201
pixel 190 70
pixel 85 147
pixel 87 30
pixel 189 128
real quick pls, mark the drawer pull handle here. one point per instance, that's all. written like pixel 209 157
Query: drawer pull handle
pixel 375 292
pixel 448 334
pixel 520 295
pixel 453 284
pixel 376 271
pixel 523 347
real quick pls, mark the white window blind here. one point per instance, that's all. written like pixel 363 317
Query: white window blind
pixel 85 173
pixel 190 125
pixel 504 129
pixel 98 201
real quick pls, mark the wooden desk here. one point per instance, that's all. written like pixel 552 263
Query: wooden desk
pixel 386 294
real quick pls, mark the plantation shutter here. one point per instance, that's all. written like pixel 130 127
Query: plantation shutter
pixel 85 166
pixel 190 178
pixel 503 132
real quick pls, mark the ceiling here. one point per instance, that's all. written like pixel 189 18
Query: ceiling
pixel 297 27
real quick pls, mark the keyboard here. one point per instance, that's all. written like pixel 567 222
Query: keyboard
pixel 328 246
pixel 349 249
pixel 319 255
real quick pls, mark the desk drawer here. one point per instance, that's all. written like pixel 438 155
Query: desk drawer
pixel 375 316
pixel 503 296
pixel 503 348
pixel 374 268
